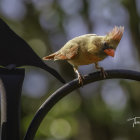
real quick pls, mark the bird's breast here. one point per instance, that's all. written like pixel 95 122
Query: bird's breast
pixel 85 59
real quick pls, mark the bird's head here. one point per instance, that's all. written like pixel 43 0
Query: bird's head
pixel 111 40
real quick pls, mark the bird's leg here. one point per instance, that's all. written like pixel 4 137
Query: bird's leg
pixel 104 74
pixel 80 78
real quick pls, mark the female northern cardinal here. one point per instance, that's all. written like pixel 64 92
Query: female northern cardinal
pixel 89 48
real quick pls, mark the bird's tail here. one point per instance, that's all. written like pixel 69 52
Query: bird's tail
pixel 49 57
pixel 52 71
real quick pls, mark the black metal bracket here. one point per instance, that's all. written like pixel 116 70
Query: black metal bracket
pixel 10 89
pixel 11 86
pixel 68 88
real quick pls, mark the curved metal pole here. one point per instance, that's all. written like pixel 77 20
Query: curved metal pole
pixel 10 89
pixel 69 87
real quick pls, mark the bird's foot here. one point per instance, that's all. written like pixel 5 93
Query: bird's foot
pixel 80 78
pixel 11 67
pixel 103 73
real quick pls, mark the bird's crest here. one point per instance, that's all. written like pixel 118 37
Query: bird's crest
pixel 117 33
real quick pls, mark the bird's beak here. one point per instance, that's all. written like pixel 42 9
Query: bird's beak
pixel 110 52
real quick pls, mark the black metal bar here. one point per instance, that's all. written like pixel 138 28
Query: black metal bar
pixel 69 87
pixel 10 89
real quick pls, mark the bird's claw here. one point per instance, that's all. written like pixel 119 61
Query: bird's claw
pixel 80 78
pixel 103 73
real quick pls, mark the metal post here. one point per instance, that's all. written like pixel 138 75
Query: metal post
pixel 10 89
pixel 68 88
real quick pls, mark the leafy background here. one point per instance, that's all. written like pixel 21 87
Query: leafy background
pixel 97 111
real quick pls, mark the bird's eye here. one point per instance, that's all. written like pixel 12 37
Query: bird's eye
pixel 105 45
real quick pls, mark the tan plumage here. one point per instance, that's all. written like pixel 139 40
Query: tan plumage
pixel 88 49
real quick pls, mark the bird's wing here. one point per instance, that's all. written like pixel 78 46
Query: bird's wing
pixel 67 52
pixel 70 49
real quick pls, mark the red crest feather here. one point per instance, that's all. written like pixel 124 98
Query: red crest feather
pixel 117 33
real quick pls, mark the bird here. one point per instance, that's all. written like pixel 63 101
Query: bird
pixel 87 49
pixel 16 52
